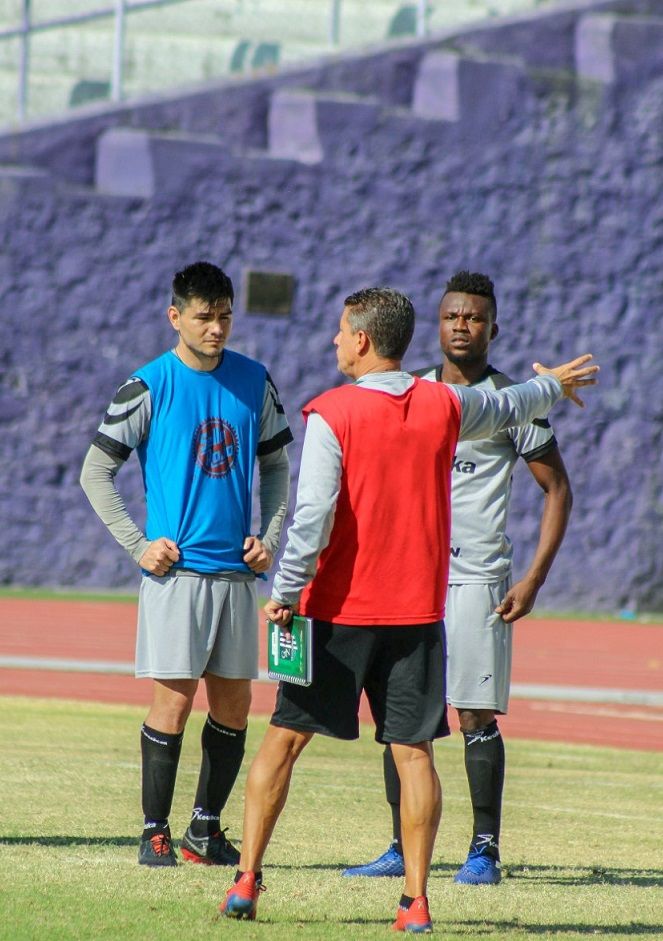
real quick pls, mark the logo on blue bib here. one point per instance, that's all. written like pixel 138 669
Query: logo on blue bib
pixel 215 447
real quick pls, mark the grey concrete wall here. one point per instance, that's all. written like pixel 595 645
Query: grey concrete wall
pixel 547 179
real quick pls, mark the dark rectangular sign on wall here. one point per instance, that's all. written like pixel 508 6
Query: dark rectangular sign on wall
pixel 268 292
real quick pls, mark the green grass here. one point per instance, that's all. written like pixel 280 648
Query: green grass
pixel 71 594
pixel 580 841
pixel 66 594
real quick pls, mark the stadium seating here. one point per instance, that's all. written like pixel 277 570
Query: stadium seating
pixel 197 40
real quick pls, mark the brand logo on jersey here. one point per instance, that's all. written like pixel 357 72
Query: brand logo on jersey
pixel 484 678
pixel 463 467
pixel 455 551
pixel 215 447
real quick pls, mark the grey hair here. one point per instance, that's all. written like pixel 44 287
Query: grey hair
pixel 386 316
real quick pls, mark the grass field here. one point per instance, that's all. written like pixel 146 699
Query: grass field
pixel 72 594
pixel 581 842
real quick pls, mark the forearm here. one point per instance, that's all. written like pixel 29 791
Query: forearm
pixel 274 489
pixel 298 564
pixel 317 493
pixel 485 413
pixel 554 520
pixel 98 482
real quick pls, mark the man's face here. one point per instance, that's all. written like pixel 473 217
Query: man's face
pixel 466 327
pixel 203 328
pixel 345 342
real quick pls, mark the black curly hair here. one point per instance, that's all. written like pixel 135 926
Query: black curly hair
pixel 472 282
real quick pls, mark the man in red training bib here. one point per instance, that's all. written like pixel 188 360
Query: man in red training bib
pixel 367 558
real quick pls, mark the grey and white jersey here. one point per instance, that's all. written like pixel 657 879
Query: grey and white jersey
pixel 481 476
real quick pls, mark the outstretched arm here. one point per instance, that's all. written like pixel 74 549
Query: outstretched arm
pixel 550 474
pixel 484 413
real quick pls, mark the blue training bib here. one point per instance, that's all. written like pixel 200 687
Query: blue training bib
pixel 199 457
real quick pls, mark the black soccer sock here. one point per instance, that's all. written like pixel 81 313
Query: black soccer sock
pixel 484 764
pixel 392 789
pixel 258 875
pixel 223 750
pixel 160 754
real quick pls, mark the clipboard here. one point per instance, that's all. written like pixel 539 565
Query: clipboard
pixel 290 651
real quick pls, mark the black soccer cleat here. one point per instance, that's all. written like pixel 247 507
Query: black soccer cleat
pixel 214 850
pixel 157 850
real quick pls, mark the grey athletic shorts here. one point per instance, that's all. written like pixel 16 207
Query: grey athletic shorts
pixel 478 647
pixel 190 624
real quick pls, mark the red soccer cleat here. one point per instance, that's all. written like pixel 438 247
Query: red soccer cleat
pixel 415 919
pixel 241 899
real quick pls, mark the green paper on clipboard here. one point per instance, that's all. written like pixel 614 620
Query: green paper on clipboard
pixel 290 651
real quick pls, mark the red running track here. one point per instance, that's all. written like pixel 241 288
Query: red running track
pixel 563 653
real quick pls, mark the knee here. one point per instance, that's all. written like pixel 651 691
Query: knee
pixel 471 720
pixel 171 704
pixel 169 717
pixel 234 714
pixel 415 763
pixel 229 703
pixel 284 746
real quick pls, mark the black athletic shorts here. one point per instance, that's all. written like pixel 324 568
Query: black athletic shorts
pixel 401 669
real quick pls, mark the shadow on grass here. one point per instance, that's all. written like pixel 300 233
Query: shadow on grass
pixel 68 841
pixel 482 929
pixel 585 875
pixel 550 875
pixel 339 867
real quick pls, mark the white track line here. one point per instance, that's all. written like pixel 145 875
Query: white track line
pixel 530 691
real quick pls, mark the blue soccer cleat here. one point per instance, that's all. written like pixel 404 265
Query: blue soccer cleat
pixel 479 869
pixel 390 863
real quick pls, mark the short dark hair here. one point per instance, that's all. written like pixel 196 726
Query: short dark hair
pixel 386 316
pixel 472 282
pixel 204 280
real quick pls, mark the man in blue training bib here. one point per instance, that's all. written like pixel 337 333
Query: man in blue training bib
pixel 198 417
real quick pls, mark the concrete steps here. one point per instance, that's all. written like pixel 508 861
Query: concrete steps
pixel 611 48
pixel 436 91
pixel 454 95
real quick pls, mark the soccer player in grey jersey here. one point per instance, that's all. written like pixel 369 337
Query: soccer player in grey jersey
pixel 482 604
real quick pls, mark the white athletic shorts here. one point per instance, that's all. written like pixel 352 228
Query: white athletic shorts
pixel 190 624
pixel 478 647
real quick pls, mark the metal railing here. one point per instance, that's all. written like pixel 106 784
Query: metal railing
pixel 27 27
pixel 119 10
